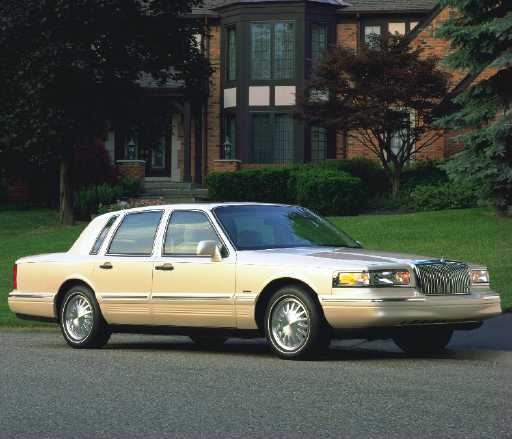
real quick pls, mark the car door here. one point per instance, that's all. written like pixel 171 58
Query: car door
pixel 191 290
pixel 123 273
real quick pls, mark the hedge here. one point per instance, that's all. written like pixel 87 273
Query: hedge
pixel 271 185
pixel 330 192
pixel 327 191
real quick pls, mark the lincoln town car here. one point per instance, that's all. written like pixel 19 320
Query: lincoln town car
pixel 220 270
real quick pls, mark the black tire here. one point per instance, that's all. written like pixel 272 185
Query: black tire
pixel 98 334
pixel 206 341
pixel 425 341
pixel 312 340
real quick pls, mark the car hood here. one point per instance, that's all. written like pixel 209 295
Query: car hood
pixel 339 257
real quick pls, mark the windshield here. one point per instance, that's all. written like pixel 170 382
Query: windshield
pixel 257 227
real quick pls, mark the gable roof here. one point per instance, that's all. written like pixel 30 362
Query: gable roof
pixel 209 7
pixel 382 6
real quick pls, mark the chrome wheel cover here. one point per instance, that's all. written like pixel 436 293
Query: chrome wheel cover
pixel 78 318
pixel 289 324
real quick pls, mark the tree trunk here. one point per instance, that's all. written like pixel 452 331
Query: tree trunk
pixel 66 195
pixel 395 184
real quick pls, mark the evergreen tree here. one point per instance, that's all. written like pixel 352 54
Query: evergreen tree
pixel 480 32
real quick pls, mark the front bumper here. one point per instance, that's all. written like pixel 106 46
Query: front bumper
pixel 350 313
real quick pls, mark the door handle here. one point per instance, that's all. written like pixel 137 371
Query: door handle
pixel 165 267
pixel 106 266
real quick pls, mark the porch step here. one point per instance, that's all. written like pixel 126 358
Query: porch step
pixel 162 188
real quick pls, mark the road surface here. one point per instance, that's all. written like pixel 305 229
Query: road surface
pixel 155 386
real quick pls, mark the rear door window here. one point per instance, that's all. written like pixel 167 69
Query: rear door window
pixel 136 234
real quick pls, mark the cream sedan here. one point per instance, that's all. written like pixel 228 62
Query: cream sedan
pixel 213 271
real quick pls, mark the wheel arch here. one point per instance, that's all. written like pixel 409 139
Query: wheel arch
pixel 59 297
pixel 273 286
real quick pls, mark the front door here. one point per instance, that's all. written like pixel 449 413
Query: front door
pixel 191 290
pixel 156 152
pixel 123 275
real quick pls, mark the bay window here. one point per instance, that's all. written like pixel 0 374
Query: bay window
pixel 272 51
pixel 318 41
pixel 272 139
pixel 231 54
pixel 319 144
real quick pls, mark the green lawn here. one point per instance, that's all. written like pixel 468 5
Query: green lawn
pixel 472 234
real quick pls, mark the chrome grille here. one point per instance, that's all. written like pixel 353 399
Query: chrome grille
pixel 442 277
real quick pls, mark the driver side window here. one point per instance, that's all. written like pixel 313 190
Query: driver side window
pixel 185 230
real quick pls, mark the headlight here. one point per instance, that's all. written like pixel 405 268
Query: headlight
pixel 351 279
pixel 391 278
pixel 382 278
pixel 479 277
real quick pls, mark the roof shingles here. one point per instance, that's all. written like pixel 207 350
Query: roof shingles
pixel 346 6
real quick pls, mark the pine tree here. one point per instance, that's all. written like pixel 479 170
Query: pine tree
pixel 480 33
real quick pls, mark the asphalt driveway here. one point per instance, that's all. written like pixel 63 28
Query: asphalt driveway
pixel 147 386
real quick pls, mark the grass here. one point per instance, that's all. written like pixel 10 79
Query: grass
pixel 475 235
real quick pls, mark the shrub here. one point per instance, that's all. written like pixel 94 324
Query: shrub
pixel 423 172
pixel 91 165
pixel 88 200
pixel 442 196
pixel 372 174
pixel 130 186
pixel 330 192
pixel 270 185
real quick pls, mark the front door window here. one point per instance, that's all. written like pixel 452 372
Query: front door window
pixel 158 154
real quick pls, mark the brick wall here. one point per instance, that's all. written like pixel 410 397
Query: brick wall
pixel 435 46
pixel 226 165
pixel 213 124
pixel 131 168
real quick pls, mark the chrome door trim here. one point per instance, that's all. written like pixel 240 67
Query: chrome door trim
pixel 179 296
pixel 123 297
pixel 31 295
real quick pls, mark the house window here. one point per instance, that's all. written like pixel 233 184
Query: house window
pixel 401 137
pixel 318 41
pixel 284 51
pixel 319 142
pixel 272 51
pixel 272 138
pixel 261 50
pixel 396 28
pixel 231 54
pixel 229 144
pixel 370 34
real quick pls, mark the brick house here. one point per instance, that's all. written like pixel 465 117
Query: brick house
pixel 262 53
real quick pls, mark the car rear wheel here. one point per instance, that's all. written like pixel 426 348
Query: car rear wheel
pixel 81 321
pixel 208 341
pixel 423 341
pixel 294 324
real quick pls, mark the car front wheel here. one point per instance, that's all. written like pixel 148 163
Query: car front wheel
pixel 81 321
pixel 423 341
pixel 294 325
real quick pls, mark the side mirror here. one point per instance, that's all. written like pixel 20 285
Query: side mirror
pixel 209 248
pixel 359 243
